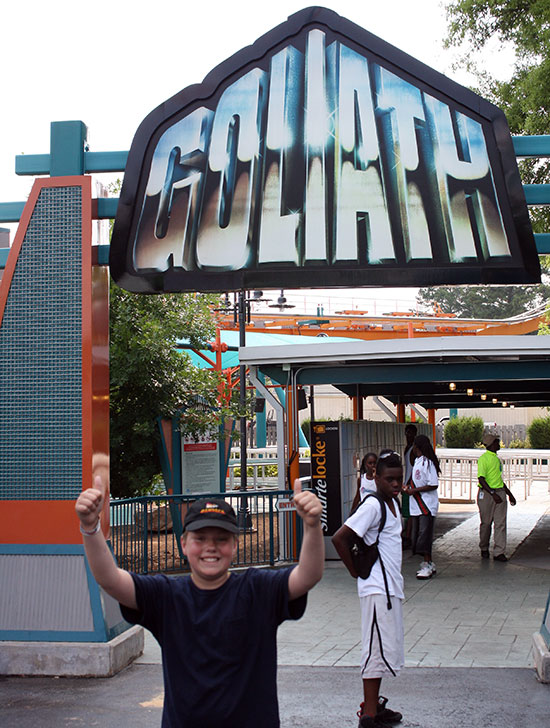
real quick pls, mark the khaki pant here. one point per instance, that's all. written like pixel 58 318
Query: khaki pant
pixel 492 513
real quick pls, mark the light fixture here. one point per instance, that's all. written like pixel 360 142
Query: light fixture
pixel 495 400
pixel 470 392
pixel 505 404
pixel 281 303
pixel 512 406
pixel 452 386
pixel 484 397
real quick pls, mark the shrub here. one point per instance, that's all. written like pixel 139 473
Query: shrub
pixel 463 431
pixel 539 433
pixel 519 444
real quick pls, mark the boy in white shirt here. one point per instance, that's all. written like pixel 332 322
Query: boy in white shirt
pixel 381 593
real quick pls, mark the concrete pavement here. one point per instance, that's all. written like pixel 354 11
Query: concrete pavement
pixel 467 639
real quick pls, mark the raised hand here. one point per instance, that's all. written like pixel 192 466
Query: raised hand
pixel 89 504
pixel 308 506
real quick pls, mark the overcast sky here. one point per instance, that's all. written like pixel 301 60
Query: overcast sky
pixel 109 63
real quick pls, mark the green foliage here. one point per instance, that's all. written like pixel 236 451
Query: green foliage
pixel 484 302
pixel 519 444
pixel 463 431
pixel 544 325
pixel 539 433
pixel 419 420
pixel 523 25
pixel 150 378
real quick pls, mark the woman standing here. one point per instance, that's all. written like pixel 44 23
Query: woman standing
pixel 423 503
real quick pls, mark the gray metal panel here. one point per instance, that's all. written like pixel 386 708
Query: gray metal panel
pixel 362 436
pixel 44 592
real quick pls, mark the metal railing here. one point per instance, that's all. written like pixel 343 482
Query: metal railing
pixel 145 531
pixel 262 466
pixel 520 467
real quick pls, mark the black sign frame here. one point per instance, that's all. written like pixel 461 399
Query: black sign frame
pixel 522 266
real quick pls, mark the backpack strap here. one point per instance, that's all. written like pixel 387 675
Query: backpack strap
pixel 380 527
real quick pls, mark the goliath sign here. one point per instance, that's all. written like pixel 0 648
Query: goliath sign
pixel 321 156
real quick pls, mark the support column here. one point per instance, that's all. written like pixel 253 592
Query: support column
pixel 400 412
pixel 431 421
pixel 54 419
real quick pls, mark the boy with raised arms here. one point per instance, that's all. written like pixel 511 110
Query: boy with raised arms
pixel 217 629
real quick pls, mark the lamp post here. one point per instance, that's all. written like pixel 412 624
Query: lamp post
pixel 241 316
pixel 244 519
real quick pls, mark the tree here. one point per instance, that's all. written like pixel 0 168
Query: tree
pixel 150 378
pixel 485 302
pixel 463 432
pixel 539 433
pixel 523 25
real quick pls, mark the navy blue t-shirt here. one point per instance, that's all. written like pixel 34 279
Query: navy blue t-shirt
pixel 219 650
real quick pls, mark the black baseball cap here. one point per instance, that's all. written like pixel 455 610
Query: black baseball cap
pixel 210 512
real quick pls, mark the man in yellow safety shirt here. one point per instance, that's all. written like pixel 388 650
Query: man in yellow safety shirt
pixel 491 499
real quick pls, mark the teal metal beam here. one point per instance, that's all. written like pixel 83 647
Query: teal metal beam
pixel 94 162
pixel 67 143
pixel 532 146
pixel 537 194
pixel 103 254
pixel 32 164
pixel 39 164
pixel 105 161
pixel 3 257
pixel 106 208
pixel 11 211
pixel 542 241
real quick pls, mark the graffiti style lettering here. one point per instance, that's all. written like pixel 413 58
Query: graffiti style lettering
pixel 325 158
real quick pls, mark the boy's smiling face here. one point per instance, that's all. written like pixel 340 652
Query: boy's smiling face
pixel 210 551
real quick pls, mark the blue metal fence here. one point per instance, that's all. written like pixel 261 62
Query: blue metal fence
pixel 145 531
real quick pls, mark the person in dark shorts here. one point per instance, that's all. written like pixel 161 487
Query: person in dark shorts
pixel 408 461
pixel 423 503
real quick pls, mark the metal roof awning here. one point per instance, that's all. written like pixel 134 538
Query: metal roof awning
pixel 507 368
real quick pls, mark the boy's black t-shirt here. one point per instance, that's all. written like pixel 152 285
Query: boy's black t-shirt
pixel 219 651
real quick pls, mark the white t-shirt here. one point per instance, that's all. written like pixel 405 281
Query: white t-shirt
pixel 364 522
pixel 424 473
pixel 366 486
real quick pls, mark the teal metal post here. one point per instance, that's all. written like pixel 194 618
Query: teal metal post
pixel 261 429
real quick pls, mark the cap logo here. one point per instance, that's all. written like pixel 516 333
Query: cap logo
pixel 212 508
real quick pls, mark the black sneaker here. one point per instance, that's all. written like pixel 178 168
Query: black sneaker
pixel 365 721
pixel 500 557
pixel 386 714
pixel 380 721
pixel 484 554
